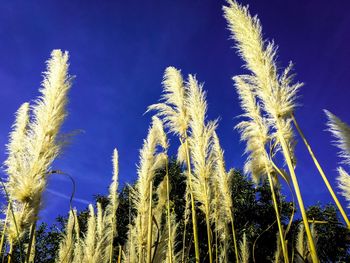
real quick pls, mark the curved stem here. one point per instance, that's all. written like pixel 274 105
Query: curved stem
pixel 320 170
pixel 287 156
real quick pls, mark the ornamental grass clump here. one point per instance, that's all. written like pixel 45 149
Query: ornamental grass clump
pixel 276 92
pixel 33 146
pixel 96 245
pixel 222 201
pixel 254 131
pixel 174 113
pixel 150 160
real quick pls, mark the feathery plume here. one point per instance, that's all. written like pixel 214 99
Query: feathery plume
pixel 42 144
pixel 162 200
pixel 65 254
pixel 78 244
pixel 341 131
pixel 244 249
pixel 39 140
pixel 15 149
pixel 150 160
pixel 172 109
pixel 113 204
pixel 223 178
pixel 254 131
pixel 200 142
pixel 344 183
pixel 103 229
pixel 17 221
pixel 90 238
pixel 276 92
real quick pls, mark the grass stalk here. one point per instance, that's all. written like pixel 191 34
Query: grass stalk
pixel 234 237
pixel 209 238
pixel 193 209
pixel 299 197
pixel 168 212
pixel 30 243
pixel 320 170
pixel 120 254
pixel 111 252
pixel 4 229
pixel 9 255
pixel 149 230
pixel 216 242
pixel 183 245
pixel 280 229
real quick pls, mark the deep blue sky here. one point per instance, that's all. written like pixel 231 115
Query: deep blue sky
pixel 119 50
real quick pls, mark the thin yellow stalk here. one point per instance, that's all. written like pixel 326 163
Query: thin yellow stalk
pixel 209 238
pixel 299 198
pixel 194 216
pixel 31 241
pixel 323 175
pixel 216 242
pixel 120 254
pixel 183 243
pixel 4 228
pixel 168 212
pixel 280 229
pixel 149 237
pixel 234 237
pixel 9 255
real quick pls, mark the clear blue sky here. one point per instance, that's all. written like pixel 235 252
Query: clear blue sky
pixel 119 50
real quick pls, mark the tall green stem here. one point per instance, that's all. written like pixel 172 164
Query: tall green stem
pixel 288 159
pixel 323 175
